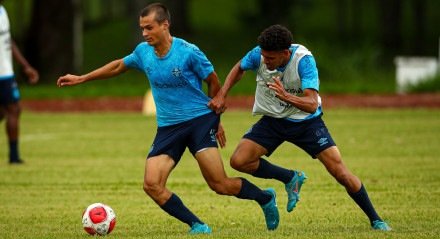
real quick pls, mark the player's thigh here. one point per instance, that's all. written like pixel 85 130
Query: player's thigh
pixel 13 109
pixel 211 164
pixel 157 170
pixel 212 168
pixel 331 159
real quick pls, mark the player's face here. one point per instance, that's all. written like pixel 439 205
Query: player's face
pixel 275 59
pixel 153 31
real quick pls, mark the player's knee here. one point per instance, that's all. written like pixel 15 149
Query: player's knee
pixel 236 163
pixel 344 178
pixel 220 187
pixel 152 188
pixel 243 165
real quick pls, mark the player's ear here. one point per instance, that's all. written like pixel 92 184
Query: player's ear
pixel 166 24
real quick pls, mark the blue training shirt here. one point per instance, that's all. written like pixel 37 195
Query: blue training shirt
pixel 175 80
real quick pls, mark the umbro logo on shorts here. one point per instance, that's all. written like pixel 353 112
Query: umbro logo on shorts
pixel 322 141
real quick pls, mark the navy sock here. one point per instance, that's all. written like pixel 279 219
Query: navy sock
pixel 13 151
pixel 252 192
pixel 175 207
pixel 363 201
pixel 271 171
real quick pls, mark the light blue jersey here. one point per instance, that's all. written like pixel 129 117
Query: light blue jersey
pixel 175 80
pixel 298 74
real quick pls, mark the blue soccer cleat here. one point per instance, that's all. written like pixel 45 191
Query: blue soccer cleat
pixel 380 225
pixel 270 211
pixel 198 228
pixel 292 188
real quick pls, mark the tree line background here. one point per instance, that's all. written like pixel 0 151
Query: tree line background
pixel 65 36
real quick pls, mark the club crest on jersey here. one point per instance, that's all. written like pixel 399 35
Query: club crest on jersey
pixel 148 70
pixel 176 72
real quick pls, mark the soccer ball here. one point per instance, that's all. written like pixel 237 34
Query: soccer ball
pixel 98 219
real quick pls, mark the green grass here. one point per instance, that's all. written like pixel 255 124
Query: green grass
pixel 73 160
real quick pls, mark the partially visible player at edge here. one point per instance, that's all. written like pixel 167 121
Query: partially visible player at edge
pixel 9 93
pixel 175 70
pixel 287 97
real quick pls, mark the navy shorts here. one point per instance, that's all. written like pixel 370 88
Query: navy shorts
pixel 310 135
pixel 9 93
pixel 196 134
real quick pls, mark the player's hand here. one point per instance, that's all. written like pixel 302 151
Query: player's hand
pixel 217 104
pixel 278 88
pixel 68 80
pixel 32 75
pixel 221 137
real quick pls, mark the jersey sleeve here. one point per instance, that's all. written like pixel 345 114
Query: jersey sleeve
pixel 308 72
pixel 133 60
pixel 252 60
pixel 201 65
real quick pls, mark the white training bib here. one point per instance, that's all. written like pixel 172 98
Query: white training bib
pixel 265 101
pixel 6 68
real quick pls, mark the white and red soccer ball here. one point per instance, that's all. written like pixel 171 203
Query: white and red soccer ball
pixel 98 219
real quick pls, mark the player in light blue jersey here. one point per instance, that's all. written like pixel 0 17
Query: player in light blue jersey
pixel 10 108
pixel 287 97
pixel 176 70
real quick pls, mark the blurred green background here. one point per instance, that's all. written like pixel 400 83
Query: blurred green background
pixel 354 42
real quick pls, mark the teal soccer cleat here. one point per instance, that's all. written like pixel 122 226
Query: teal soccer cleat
pixel 270 211
pixel 380 225
pixel 198 228
pixel 292 188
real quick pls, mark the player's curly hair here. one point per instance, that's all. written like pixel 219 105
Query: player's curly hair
pixel 275 38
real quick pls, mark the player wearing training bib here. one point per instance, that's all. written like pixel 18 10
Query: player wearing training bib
pixel 9 94
pixel 287 98
pixel 176 70
pixel 6 69
pixel 299 74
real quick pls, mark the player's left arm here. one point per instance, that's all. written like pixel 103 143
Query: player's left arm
pixel 30 72
pixel 309 100
pixel 213 84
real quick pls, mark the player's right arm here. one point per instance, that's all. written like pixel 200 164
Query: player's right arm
pixel 251 61
pixel 235 75
pixel 109 70
pixel 30 72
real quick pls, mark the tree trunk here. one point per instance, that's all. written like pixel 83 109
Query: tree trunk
pixel 54 43
pixel 341 20
pixel 419 31
pixel 390 23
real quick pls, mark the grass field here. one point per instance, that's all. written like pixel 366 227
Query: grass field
pixel 73 160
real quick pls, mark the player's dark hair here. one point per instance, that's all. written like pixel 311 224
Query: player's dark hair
pixel 162 13
pixel 275 38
